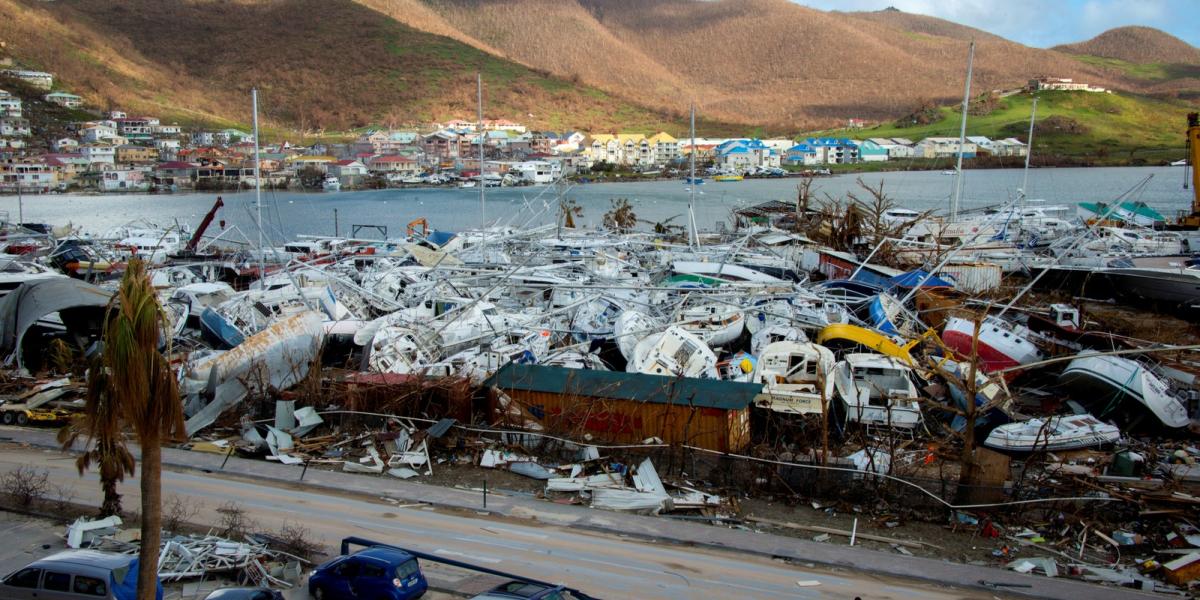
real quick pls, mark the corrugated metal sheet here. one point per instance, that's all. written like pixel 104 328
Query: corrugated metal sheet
pixel 618 385
pixel 973 278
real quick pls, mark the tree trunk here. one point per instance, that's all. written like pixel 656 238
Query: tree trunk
pixel 151 481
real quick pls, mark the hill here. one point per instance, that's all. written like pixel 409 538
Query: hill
pixel 318 65
pixel 770 62
pixel 1094 128
pixel 1137 45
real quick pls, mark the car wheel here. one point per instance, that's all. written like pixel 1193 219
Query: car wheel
pixel 22 418
pixel 8 418
pixel 318 593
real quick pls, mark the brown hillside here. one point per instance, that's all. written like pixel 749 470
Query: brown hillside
pixel 1142 45
pixel 764 61
pixel 317 64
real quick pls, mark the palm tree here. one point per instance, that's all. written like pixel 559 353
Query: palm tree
pixel 133 387
pixel 101 426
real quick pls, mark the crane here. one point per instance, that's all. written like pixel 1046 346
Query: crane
pixel 208 219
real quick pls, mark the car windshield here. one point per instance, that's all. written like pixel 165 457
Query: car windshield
pixel 407 569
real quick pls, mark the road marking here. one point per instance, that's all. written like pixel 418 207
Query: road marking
pixel 485 559
pixel 498 544
pixel 493 529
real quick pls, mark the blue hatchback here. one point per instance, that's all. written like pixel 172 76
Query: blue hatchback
pixel 374 573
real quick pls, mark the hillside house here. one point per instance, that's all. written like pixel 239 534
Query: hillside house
pixel 943 147
pixel 536 171
pixel 130 154
pixel 68 166
pixel 503 125
pixel 896 147
pixel 38 79
pixel 460 125
pixel 167 149
pixel 740 155
pixel 441 145
pixel 117 114
pixel 14 127
pixel 171 130
pixel 1009 147
pixel 65 145
pixel 664 148
pixel 137 128
pixel 870 151
pixel 93 133
pixel 603 147
pixel 801 155
pixel 64 99
pixel 10 105
pixel 834 151
pixel 174 174
pixel 1060 84
pixel 98 154
pixel 571 142
pixel 28 175
pixel 121 180
pixel 319 162
pixel 393 165
pixel 348 172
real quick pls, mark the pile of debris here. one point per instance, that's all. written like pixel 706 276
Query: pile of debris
pixel 256 560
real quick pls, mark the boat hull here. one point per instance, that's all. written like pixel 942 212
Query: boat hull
pixel 1111 385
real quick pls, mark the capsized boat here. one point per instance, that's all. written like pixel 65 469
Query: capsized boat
pixel 674 352
pixel 791 373
pixel 718 324
pixel 1118 386
pixel 1058 433
pixel 1002 344
pixel 876 390
pixel 629 329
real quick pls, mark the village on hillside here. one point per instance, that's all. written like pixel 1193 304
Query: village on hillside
pixel 119 152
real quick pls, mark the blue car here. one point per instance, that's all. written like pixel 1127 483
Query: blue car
pixel 373 573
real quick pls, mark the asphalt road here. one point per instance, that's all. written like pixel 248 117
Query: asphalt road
pixel 601 565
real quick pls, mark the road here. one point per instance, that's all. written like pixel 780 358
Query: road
pixel 602 565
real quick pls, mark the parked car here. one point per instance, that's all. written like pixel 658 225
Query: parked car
pixel 75 575
pixel 375 572
pixel 245 593
pixel 525 590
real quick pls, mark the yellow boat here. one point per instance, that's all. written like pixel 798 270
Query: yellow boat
pixel 727 178
pixel 871 339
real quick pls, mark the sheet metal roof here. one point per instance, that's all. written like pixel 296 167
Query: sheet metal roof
pixel 617 385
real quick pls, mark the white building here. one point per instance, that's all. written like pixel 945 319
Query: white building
pixel 941 147
pixel 124 180
pixel 166 130
pixel 14 127
pixel 64 99
pixel 97 133
pixel 99 154
pixel 117 114
pixel 10 105
pixel 37 79
pixel 537 171
pixel 896 147
pixel 65 145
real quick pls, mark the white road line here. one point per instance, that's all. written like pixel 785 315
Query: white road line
pixel 494 529
pixel 486 559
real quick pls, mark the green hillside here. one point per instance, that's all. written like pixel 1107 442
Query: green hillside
pixel 1096 128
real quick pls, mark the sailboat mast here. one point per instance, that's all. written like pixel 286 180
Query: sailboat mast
pixel 962 136
pixel 482 183
pixel 693 235
pixel 262 273
pixel 1028 154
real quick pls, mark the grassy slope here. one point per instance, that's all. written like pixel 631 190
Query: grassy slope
pixel 1120 127
pixel 319 66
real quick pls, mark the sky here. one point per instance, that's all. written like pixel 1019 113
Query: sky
pixel 1044 23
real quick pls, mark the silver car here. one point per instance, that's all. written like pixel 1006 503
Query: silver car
pixel 75 575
